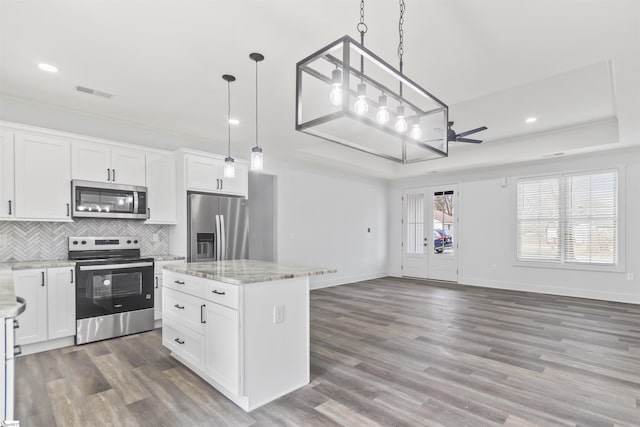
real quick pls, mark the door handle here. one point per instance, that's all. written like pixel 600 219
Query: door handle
pixel 217 292
pixel 202 314
pixel 179 341
pixel 148 213
pixel 9 207
pixel 114 175
pixel 17 350
pixel 108 174
pixel 221 184
pixel 179 282
pixel 71 275
pixel 156 282
pixel 42 273
pixel 68 212
pixel 179 307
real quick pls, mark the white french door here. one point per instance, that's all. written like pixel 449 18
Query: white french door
pixel 430 240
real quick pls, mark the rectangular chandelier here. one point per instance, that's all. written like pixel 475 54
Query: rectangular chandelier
pixel 348 95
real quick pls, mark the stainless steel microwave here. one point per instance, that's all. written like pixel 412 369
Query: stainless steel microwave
pixel 103 200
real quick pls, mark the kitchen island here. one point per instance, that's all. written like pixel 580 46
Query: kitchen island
pixel 241 325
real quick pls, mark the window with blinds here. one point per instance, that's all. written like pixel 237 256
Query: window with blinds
pixel 415 223
pixel 568 218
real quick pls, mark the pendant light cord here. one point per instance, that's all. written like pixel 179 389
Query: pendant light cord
pixel 229 114
pixel 401 41
pixel 256 103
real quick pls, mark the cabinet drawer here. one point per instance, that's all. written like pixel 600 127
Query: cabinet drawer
pixel 222 293
pixel 183 342
pixel 183 309
pixel 184 283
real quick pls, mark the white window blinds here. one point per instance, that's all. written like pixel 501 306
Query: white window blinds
pixel 415 223
pixel 568 218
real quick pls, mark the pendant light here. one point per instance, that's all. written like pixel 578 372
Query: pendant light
pixel 229 163
pixel 257 163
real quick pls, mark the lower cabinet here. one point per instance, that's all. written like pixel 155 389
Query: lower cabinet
pixel 222 353
pixel 157 296
pixel 51 304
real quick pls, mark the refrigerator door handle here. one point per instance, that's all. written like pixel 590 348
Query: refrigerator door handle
pixel 223 238
pixel 216 256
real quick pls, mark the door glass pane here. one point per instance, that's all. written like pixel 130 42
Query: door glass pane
pixel 415 224
pixel 111 285
pixel 104 200
pixel 443 222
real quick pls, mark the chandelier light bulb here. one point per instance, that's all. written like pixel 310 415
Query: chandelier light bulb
pixel 361 107
pixel 383 115
pixel 416 132
pixel 229 168
pixel 335 96
pixel 401 125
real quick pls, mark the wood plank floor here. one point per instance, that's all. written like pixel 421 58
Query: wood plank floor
pixel 387 352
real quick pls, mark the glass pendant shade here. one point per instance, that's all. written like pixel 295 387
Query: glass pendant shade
pixel 229 167
pixel 256 159
pixel 401 125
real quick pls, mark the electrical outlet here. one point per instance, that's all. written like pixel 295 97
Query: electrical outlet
pixel 3 240
pixel 278 314
pixel 155 237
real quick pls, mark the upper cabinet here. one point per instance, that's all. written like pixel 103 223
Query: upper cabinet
pixel 161 187
pixel 206 173
pixel 7 200
pixel 42 177
pixel 92 161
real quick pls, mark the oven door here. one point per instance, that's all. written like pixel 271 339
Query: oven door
pixel 110 287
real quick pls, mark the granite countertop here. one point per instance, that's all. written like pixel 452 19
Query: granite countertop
pixel 28 265
pixel 165 257
pixel 243 271
pixel 8 304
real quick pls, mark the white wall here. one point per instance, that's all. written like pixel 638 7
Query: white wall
pixel 487 231
pixel 323 217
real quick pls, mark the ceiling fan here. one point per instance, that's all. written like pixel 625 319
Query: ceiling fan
pixel 460 137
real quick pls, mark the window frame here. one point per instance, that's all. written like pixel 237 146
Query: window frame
pixel 618 266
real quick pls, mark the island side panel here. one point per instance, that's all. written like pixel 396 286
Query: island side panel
pixel 276 351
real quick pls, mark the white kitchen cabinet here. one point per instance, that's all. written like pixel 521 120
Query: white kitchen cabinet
pixel 161 187
pixel 206 173
pixel 222 352
pixel 157 297
pixel 61 302
pixel 93 161
pixel 32 286
pixel 7 199
pixel 42 177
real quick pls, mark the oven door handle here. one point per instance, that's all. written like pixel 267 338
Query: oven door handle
pixel 115 266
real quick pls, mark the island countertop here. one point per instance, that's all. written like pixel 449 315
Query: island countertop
pixel 244 271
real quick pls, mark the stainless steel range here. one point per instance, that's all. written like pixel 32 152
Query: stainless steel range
pixel 114 287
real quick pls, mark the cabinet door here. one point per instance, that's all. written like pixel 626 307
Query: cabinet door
pixel 31 285
pixel 239 184
pixel 157 297
pixel 128 166
pixel 222 351
pixel 42 177
pixel 91 161
pixel 7 201
pixel 161 186
pixel 204 173
pixel 61 302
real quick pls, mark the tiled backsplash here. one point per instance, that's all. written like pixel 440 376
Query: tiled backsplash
pixel 33 241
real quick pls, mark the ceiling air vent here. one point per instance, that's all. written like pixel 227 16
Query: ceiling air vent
pixel 94 92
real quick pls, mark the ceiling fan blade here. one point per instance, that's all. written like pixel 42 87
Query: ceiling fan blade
pixel 440 131
pixel 434 140
pixel 474 141
pixel 469 132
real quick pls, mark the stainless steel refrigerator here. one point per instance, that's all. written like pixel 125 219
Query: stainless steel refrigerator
pixel 218 227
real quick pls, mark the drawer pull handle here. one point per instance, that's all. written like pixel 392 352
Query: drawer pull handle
pixel 217 292
pixel 201 314
pixel 179 307
pixel 179 282
pixel 179 341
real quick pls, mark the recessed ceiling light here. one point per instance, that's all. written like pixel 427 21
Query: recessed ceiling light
pixel 48 67
pixel 234 121
pixel 531 120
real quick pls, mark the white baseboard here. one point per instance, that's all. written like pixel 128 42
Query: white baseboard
pixel 46 345
pixel 552 290
pixel 325 281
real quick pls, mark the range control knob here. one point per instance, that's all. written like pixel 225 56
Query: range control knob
pixel 135 241
pixel 84 242
pixel 75 242
pixel 129 241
